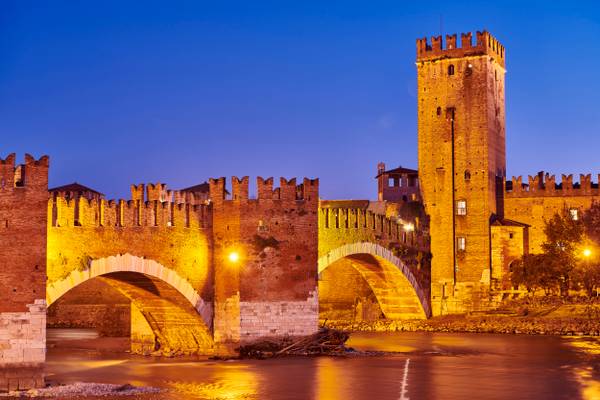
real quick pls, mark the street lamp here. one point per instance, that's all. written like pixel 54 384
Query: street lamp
pixel 587 253
pixel 233 257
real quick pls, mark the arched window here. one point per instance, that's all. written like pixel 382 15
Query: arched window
pixel 439 111
pixel 451 69
pixel 467 175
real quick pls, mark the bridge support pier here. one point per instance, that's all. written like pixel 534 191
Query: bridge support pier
pixel 23 208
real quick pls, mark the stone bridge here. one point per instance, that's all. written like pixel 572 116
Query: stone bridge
pixel 181 274
pixel 370 265
pixel 130 246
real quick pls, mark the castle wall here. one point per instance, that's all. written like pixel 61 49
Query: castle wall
pixel 23 198
pixel 272 289
pixel 509 243
pixel 461 157
pixel 542 197
pixel 343 222
pixel 177 236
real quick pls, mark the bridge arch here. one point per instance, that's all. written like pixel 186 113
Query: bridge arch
pixel 130 263
pixel 388 277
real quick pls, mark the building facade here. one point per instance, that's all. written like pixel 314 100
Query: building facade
pixel 479 222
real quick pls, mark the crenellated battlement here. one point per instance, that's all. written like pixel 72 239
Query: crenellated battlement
pixel 288 190
pixel 332 216
pixel 178 210
pixel 543 184
pixel 485 43
pixel 32 174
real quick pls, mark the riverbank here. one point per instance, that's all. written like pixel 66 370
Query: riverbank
pixel 540 316
pixel 81 390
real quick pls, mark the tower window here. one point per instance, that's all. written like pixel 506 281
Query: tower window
pixel 439 111
pixel 451 69
pixel 467 175
pixel 461 207
pixel 574 214
pixel 461 243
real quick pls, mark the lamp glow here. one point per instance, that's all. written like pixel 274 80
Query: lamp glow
pixel 587 252
pixel 409 227
pixel 233 257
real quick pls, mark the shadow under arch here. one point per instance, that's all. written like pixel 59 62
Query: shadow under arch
pixel 160 319
pixel 130 263
pixel 399 294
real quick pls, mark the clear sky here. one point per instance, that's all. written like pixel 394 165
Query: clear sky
pixel 118 92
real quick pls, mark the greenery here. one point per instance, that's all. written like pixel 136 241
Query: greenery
pixel 570 258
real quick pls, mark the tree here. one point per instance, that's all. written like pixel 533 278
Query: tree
pixel 587 275
pixel 564 236
pixel 535 271
pixel 591 222
pixel 587 272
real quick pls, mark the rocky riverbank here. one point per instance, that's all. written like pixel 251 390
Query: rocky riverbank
pixel 85 390
pixel 546 316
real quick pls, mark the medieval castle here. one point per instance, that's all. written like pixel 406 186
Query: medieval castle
pixel 206 268
pixel 479 221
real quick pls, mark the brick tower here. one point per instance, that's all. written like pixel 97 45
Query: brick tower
pixel 462 162
pixel 23 224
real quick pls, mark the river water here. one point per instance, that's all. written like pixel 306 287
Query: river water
pixel 426 366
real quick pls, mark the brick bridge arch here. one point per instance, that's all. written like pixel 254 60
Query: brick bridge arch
pixel 130 263
pixel 391 280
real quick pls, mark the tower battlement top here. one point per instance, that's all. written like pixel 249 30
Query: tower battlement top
pixel 485 44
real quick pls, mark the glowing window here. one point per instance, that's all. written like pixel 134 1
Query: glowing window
pixel 461 207
pixel 461 243
pixel 574 214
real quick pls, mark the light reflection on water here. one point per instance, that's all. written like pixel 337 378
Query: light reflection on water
pixel 442 366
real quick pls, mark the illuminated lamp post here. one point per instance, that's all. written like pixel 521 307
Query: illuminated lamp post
pixel 233 257
pixel 409 228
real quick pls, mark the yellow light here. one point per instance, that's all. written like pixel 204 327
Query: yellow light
pixel 409 227
pixel 233 257
pixel 587 252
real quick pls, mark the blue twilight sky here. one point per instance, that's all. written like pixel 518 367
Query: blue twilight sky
pixel 118 92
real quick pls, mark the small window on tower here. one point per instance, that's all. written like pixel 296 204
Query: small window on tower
pixel 467 175
pixel 439 111
pixel 574 214
pixel 461 207
pixel 461 243
pixel 451 69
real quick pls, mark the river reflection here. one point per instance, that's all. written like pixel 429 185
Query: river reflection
pixel 428 366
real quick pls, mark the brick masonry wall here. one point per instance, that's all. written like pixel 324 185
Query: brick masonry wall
pixel 464 166
pixel 508 244
pixel 23 198
pixel 543 200
pixel 275 236
pixel 174 235
pixel 278 318
pixel 340 226
pixel 23 347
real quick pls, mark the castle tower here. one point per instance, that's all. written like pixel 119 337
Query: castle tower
pixel 462 162
pixel 23 233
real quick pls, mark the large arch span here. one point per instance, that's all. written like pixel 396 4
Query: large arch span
pixel 396 288
pixel 130 263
